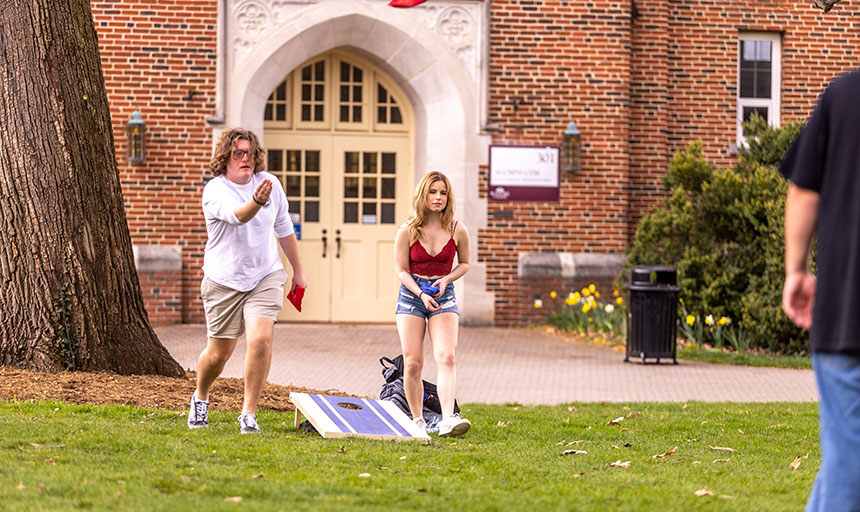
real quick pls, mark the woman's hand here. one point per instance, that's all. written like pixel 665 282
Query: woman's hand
pixel 442 284
pixel 428 301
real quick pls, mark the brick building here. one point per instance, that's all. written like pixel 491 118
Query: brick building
pixel 355 100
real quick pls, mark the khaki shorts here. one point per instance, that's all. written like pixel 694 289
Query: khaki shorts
pixel 226 309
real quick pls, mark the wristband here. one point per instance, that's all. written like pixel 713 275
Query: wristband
pixel 254 197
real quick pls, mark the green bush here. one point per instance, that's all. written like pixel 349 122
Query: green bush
pixel 722 229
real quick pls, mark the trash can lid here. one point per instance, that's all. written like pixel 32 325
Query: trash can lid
pixel 662 275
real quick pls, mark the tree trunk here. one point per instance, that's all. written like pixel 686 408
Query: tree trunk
pixel 69 293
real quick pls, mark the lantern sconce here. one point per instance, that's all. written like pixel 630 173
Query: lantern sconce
pixel 136 131
pixel 570 149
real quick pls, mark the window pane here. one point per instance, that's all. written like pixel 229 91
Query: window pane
pixel 306 73
pixel 350 213
pixel 344 72
pixel 350 187
pixel 306 92
pixel 281 112
pixel 295 206
pixel 356 74
pixel 396 118
pixel 356 93
pixel 381 115
pixel 268 115
pixel 312 186
pixel 369 188
pixel 344 93
pixel 275 161
pixel 319 92
pixel 370 163
pixel 312 161
pixel 762 85
pixel 294 186
pixel 312 211
pixel 318 113
pixel 282 91
pixel 749 111
pixel 388 213
pixel 351 162
pixel 388 188
pixel 344 114
pixel 294 163
pixel 381 94
pixel 319 71
pixel 306 112
pixel 368 213
pixel 388 163
pixel 747 84
pixel 356 114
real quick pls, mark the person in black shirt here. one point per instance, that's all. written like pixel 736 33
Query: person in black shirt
pixel 823 165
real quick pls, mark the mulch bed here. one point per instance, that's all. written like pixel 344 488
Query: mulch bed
pixel 148 391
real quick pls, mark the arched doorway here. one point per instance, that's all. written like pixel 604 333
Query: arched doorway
pixel 338 134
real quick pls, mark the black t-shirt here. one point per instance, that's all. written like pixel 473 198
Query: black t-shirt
pixel 826 158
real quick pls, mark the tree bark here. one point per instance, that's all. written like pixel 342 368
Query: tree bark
pixel 70 297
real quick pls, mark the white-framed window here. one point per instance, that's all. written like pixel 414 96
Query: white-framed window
pixel 758 77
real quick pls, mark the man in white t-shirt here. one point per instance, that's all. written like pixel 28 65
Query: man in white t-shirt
pixel 247 217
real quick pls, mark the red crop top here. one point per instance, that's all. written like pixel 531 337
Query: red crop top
pixel 422 264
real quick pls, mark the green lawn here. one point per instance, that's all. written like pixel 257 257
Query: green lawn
pixel 57 456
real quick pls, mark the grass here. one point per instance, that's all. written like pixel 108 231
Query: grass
pixel 58 456
pixel 746 359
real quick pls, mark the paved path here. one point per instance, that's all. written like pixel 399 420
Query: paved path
pixel 500 366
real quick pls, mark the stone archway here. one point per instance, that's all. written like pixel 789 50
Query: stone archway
pixel 263 44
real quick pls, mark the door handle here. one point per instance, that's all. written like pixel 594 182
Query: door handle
pixel 324 241
pixel 337 240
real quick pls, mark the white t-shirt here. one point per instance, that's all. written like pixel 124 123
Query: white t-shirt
pixel 239 255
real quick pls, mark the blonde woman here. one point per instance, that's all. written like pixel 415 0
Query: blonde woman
pixel 424 252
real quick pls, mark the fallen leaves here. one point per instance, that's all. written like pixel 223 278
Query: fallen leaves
pixel 364 475
pixel 721 448
pixel 504 424
pixel 619 464
pixel 574 452
pixel 704 492
pixel 798 460
pixel 673 451
pixel 616 421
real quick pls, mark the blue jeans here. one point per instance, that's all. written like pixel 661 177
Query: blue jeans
pixel 837 485
pixel 410 304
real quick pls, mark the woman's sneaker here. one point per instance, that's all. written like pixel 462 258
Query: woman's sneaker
pixel 454 426
pixel 248 424
pixel 198 416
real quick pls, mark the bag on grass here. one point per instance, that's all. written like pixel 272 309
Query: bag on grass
pixel 393 391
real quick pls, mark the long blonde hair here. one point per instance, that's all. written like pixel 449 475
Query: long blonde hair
pixel 416 222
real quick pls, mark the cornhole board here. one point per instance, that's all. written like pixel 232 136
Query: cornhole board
pixel 339 416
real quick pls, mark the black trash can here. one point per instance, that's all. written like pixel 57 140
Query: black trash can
pixel 652 313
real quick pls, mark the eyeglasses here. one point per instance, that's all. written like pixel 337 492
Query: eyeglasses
pixel 239 154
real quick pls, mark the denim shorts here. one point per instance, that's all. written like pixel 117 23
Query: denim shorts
pixel 409 304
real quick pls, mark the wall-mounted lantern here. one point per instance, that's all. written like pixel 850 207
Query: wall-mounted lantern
pixel 570 153
pixel 136 131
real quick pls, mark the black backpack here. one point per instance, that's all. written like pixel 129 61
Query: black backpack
pixel 393 390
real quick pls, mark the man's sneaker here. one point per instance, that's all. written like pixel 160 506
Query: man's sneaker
pixel 453 426
pixel 198 416
pixel 248 424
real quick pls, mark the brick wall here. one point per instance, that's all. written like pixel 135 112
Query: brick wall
pixel 567 61
pixel 153 55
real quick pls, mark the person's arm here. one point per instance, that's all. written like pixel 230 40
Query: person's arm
pixel 247 210
pixel 401 265
pixel 461 238
pixel 801 217
pixel 290 246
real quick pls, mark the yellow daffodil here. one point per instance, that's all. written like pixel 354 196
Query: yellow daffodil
pixel 576 296
pixel 538 304
pixel 591 288
pixel 724 320
pixel 586 292
pixel 597 294
pixel 709 319
pixel 619 300
pixel 616 293
pixel 586 308
pixel 569 301
pixel 552 294
pixel 691 319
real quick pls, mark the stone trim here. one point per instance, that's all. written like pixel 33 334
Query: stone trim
pixel 569 265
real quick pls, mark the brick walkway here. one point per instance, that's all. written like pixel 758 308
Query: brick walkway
pixel 500 366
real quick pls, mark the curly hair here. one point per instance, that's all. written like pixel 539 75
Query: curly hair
pixel 419 216
pixel 223 149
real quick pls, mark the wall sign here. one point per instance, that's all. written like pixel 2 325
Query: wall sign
pixel 524 173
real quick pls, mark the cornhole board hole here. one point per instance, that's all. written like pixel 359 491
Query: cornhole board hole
pixel 339 416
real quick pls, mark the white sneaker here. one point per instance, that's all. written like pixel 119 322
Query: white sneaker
pixel 198 416
pixel 420 423
pixel 248 424
pixel 454 426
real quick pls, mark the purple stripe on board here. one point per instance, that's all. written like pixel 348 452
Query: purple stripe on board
pixel 322 405
pixel 382 412
pixel 363 420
